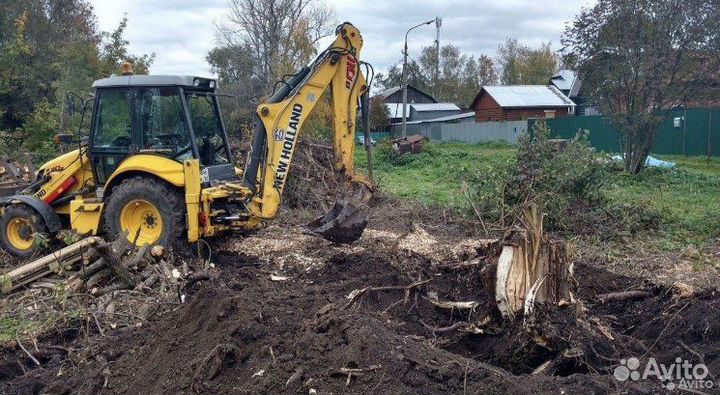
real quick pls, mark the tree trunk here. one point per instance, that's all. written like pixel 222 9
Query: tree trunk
pixel 533 270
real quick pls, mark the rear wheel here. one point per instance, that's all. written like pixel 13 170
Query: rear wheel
pixel 19 226
pixel 147 209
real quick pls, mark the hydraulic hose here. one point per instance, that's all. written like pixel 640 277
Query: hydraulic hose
pixel 259 139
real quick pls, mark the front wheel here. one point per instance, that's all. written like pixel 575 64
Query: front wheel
pixel 146 210
pixel 19 227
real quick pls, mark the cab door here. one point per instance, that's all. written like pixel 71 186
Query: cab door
pixel 113 136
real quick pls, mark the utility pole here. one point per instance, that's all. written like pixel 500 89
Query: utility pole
pixel 436 77
pixel 404 77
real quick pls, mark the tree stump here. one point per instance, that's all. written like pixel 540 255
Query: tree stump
pixel 533 269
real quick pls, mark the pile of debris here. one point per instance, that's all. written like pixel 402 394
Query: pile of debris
pixel 15 175
pixel 313 184
pixel 94 283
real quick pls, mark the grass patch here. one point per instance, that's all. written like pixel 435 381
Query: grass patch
pixel 687 198
pixel 434 176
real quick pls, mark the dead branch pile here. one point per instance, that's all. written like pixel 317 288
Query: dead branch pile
pixel 313 184
pixel 107 285
pixel 15 175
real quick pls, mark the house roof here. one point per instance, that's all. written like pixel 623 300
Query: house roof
pixel 391 91
pixel 396 110
pixel 567 80
pixel 519 96
pixel 420 107
pixel 441 119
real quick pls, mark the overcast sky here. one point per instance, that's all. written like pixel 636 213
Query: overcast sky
pixel 180 33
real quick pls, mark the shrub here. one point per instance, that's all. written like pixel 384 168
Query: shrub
pixel 564 178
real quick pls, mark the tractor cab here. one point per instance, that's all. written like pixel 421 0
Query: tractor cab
pixel 176 117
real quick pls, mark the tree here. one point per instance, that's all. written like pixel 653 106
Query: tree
pixel 458 78
pixel 640 58
pixel 379 115
pixel 393 77
pixel 48 48
pixel 280 36
pixel 539 65
pixel 510 56
pixel 521 65
pixel 114 52
pixel 487 74
pixel 233 64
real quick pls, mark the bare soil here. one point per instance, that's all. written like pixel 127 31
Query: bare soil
pixel 280 319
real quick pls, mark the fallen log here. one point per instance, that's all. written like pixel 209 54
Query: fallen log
pixel 46 265
pixel 113 262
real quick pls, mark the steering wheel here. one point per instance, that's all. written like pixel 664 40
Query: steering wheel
pixel 176 134
pixel 120 141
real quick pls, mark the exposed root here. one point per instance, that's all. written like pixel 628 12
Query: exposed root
pixel 219 357
pixel 356 294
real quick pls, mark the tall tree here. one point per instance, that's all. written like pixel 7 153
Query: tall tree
pixel 258 43
pixel 487 74
pixel 458 78
pixel 522 65
pixel 114 52
pixel 510 55
pixel 281 35
pixel 47 48
pixel 640 58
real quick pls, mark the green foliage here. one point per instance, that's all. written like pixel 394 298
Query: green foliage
pixel 680 206
pixel 621 49
pixel 379 115
pixel 459 75
pixel 566 180
pixel 686 198
pixel 521 64
pixel 47 49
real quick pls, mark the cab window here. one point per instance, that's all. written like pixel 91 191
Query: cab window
pixel 162 125
pixel 114 120
pixel 112 128
pixel 208 130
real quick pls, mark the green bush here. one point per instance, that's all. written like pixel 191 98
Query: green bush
pixel 565 179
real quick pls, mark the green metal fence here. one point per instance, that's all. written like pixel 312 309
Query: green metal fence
pixel 696 133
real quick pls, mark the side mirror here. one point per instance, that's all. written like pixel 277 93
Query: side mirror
pixel 70 105
pixel 64 138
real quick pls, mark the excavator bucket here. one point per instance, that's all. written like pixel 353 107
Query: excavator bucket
pixel 344 223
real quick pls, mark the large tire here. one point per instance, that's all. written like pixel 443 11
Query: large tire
pixel 152 205
pixel 18 226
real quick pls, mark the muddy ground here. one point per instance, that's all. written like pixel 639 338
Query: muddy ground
pixel 281 319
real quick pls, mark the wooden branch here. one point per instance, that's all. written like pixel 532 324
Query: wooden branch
pixel 49 263
pixel 113 262
pixel 620 296
pixel 354 295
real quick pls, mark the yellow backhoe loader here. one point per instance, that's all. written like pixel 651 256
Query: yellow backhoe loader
pixel 158 167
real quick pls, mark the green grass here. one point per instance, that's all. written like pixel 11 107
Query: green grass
pixel 434 177
pixel 687 197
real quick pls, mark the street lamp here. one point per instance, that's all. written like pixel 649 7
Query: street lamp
pixel 404 77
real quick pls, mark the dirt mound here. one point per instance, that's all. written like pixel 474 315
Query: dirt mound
pixel 360 319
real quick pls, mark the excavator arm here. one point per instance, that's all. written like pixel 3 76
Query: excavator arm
pixel 280 124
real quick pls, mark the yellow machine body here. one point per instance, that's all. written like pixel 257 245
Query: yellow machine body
pixel 83 202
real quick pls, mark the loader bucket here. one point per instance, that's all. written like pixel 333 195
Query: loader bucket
pixel 344 223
